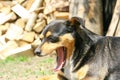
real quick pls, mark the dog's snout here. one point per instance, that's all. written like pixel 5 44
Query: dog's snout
pixel 37 52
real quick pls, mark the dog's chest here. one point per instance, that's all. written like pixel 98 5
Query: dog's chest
pixel 68 71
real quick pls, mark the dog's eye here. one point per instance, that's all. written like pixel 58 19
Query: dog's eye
pixel 53 39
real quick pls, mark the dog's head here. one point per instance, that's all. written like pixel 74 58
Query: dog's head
pixel 58 36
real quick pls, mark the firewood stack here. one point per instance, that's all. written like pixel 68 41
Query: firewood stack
pixel 21 22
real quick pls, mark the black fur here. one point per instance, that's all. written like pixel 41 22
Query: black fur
pixel 98 50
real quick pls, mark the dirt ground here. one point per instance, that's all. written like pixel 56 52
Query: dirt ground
pixel 22 68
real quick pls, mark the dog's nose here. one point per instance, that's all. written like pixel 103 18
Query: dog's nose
pixel 37 52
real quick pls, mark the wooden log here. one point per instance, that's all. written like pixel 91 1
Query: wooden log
pixel 28 36
pixel 4 18
pixel 13 50
pixel 14 32
pixel 6 3
pixel 39 26
pixel 117 33
pixel 26 50
pixel 50 18
pixel 0 32
pixel 75 8
pixel 20 1
pixel 31 22
pixel 89 12
pixel 13 17
pixel 55 5
pixel 1 5
pixel 4 28
pixel 63 9
pixel 94 20
pixel 35 5
pixel 5 10
pixel 2 41
pixel 22 43
pixel 61 15
pixel 29 4
pixel 20 22
pixel 114 25
pixel 33 15
pixel 5 51
pixel 49 9
pixel 21 11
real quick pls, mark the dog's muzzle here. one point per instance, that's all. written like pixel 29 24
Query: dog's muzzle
pixel 37 52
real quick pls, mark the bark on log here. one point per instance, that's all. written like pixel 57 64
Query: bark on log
pixel 114 27
pixel 76 5
pixel 117 33
pixel 90 11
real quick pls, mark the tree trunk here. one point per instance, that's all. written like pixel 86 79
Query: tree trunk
pixel 114 28
pixel 90 11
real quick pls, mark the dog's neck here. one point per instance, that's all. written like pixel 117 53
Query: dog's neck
pixel 83 40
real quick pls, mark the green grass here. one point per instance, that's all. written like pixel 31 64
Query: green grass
pixel 23 68
pixel 14 60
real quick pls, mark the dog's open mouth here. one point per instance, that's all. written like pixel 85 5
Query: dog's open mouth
pixel 61 58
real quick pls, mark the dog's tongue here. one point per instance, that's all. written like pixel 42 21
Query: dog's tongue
pixel 60 61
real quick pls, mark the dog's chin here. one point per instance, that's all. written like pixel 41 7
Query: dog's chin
pixel 41 54
pixel 61 58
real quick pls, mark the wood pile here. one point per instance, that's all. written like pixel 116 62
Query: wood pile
pixel 21 22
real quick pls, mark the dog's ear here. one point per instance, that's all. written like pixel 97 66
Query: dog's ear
pixel 74 23
pixel 77 21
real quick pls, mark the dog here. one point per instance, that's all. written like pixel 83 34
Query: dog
pixel 81 54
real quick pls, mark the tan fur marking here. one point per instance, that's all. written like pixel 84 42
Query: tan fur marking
pixel 82 72
pixel 48 33
pixel 66 40
pixel 91 78
pixel 52 77
pixel 72 21
pixel 48 48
